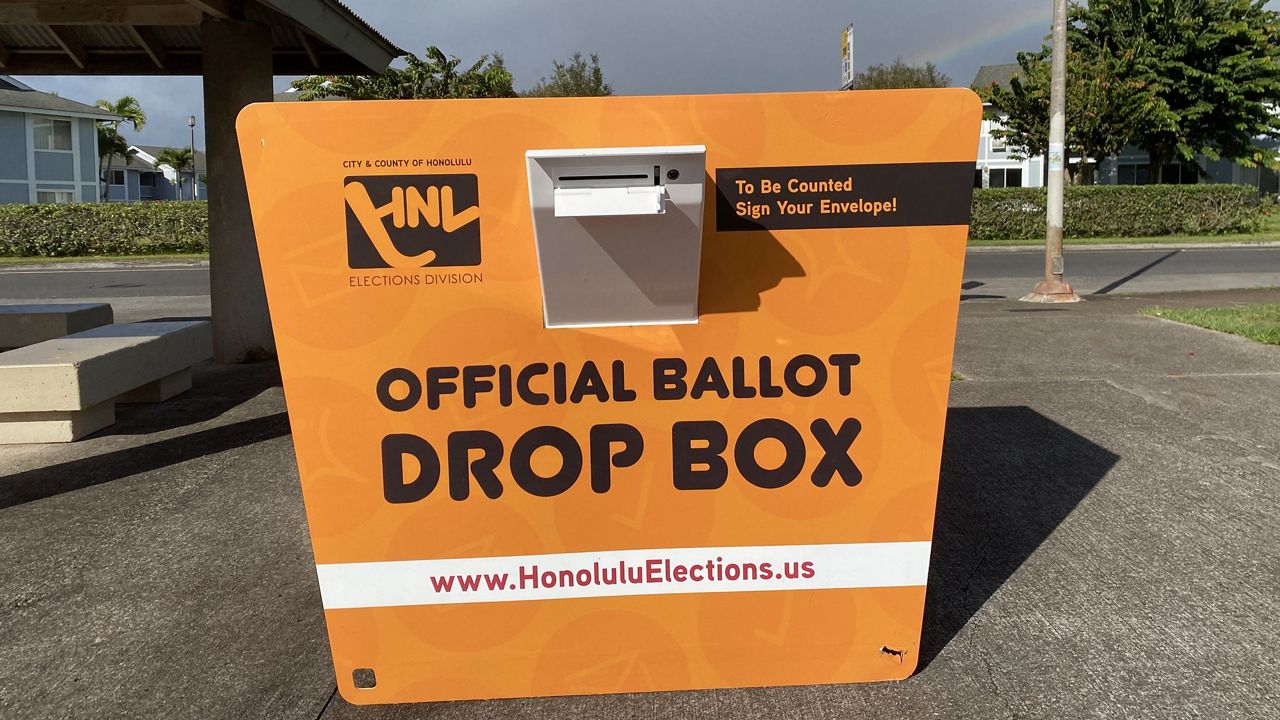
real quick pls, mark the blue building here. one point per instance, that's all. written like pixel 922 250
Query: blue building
pixel 141 177
pixel 1132 167
pixel 48 146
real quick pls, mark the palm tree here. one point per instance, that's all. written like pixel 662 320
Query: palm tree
pixel 180 159
pixel 110 144
pixel 129 110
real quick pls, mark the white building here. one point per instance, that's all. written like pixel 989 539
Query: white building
pixel 141 176
pixel 998 166
pixel 1131 167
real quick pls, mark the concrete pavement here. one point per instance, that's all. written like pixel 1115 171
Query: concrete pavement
pixel 1107 546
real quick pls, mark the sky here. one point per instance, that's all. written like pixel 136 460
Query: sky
pixel 649 48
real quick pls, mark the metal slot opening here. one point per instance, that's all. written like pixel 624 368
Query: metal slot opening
pixel 638 176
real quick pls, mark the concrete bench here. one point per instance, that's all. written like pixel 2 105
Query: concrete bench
pixel 63 389
pixel 22 325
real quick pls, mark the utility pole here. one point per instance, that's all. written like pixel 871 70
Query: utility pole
pixel 1053 289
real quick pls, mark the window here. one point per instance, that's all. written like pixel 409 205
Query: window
pixel 1001 177
pixel 117 177
pixel 1268 181
pixel 55 196
pixel 997 145
pixel 1175 174
pixel 977 178
pixel 52 134
pixel 1179 174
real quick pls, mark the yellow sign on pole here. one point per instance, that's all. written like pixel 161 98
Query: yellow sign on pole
pixel 499 507
pixel 846 57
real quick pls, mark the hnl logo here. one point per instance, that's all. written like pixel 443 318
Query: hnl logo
pixel 425 224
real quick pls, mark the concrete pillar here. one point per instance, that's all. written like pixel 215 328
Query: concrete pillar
pixel 237 71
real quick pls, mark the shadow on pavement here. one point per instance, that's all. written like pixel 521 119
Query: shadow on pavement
pixel 1009 478
pixel 41 483
pixel 1135 273
pixel 177 318
pixel 215 389
pixel 970 285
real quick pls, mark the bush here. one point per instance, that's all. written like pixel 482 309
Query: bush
pixel 77 229
pixel 998 214
pixel 1118 211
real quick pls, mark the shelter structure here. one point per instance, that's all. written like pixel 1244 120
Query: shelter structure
pixel 236 46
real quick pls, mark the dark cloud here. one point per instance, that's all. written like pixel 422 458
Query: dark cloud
pixel 688 46
pixel 655 47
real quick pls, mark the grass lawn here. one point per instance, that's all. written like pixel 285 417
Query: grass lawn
pixel 1270 232
pixel 1256 322
pixel 12 261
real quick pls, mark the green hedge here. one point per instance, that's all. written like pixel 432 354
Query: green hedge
pixel 1118 211
pixel 77 229
pixel 998 214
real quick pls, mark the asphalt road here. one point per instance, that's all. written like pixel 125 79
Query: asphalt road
pixel 995 275
pixel 135 291
pixel 38 282
pixel 988 274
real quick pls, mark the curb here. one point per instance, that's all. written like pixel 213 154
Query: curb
pixel 1134 246
pixel 157 264
pixel 104 265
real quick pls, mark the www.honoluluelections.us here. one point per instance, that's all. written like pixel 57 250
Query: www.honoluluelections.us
pixel 651 572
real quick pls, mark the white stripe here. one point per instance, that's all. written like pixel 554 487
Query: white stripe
pixel 408 582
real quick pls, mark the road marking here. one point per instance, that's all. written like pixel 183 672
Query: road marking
pixel 115 270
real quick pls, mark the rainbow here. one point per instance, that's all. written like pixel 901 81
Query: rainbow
pixel 1016 22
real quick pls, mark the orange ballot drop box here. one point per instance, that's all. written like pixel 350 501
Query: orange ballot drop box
pixel 616 394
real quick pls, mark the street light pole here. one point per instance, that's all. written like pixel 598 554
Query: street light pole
pixel 1053 288
pixel 191 123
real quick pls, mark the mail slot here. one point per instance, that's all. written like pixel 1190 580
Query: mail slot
pixel 618 233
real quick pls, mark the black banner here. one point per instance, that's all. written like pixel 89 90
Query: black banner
pixel 843 196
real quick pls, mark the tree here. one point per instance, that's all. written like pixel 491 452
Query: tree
pixel 899 75
pixel 1024 106
pixel 129 110
pixel 110 144
pixel 435 76
pixel 1212 67
pixel 1104 109
pixel 1107 109
pixel 576 78
pixel 181 160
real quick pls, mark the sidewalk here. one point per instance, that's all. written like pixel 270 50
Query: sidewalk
pixel 1107 545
